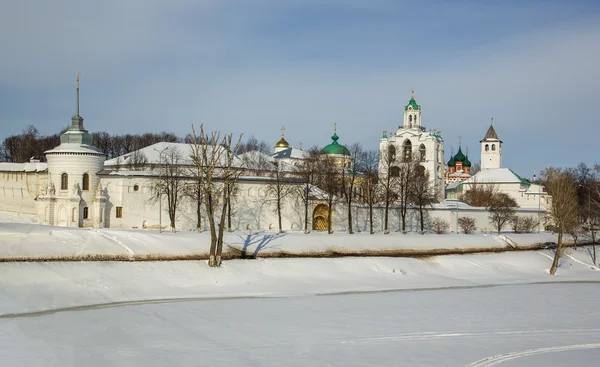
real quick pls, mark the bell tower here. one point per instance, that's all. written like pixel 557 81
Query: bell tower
pixel 491 149
pixel 412 113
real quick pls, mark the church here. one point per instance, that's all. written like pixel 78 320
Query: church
pixel 79 187
pixel 413 141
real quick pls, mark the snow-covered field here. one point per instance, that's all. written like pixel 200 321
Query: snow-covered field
pixel 460 310
pixel 32 240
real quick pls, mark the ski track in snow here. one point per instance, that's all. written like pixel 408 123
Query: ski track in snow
pixel 115 240
pixel 500 358
pixel 437 335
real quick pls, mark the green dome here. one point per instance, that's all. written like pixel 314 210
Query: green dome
pixel 412 104
pixel 466 162
pixel 459 157
pixel 335 147
pixel 451 162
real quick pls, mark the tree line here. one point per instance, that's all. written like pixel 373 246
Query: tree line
pixel 31 143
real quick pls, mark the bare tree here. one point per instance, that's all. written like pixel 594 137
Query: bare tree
pixel 440 225
pixel 350 178
pixel 137 161
pixel 307 170
pixel 564 209
pixel 467 224
pixel 422 195
pixel 388 177
pixel 502 209
pixel 170 182
pixel 279 190
pixel 367 164
pixel 214 157
pixel 193 190
pixel 481 195
pixel 329 180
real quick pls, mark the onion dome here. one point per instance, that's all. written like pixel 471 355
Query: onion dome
pixel 412 105
pixel 282 143
pixel 459 157
pixel 335 147
pixel 466 162
pixel 451 162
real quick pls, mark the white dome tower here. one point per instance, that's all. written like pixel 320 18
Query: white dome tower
pixel 491 149
pixel 72 198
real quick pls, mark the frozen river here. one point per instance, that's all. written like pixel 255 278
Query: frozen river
pixel 512 325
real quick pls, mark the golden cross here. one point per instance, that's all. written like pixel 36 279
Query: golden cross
pixel 413 92
pixel 282 130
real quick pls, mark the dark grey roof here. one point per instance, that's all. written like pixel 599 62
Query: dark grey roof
pixel 491 134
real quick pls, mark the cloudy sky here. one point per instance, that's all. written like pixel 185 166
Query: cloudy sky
pixel 253 66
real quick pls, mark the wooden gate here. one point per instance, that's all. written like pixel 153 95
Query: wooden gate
pixel 320 216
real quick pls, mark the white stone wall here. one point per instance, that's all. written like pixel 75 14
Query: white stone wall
pixel 18 191
pixel 251 208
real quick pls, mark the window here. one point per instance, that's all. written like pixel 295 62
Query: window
pixel 136 187
pixel 119 212
pixel 493 147
pixel 395 171
pixel 86 212
pixel 86 182
pixel 422 150
pixel 407 151
pixel 392 153
pixel 64 181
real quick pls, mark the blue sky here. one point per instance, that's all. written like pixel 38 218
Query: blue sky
pixel 252 66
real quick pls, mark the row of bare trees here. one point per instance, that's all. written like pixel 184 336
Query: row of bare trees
pixel 32 144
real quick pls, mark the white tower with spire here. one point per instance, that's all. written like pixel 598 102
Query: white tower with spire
pixel 74 197
pixel 491 149
pixel 412 113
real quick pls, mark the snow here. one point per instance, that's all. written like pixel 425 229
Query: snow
pixel 153 154
pixel 496 175
pixel 75 148
pixel 32 240
pixel 458 310
pixel 23 167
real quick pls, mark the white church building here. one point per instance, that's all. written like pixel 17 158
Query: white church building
pixel 413 139
pixel 79 187
pixel 527 194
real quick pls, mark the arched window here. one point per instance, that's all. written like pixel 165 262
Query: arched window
pixel 493 147
pixel 64 181
pixel 407 151
pixel 422 151
pixel 410 118
pixel 415 119
pixel 392 153
pixel 86 212
pixel 86 182
pixel 395 171
pixel 487 147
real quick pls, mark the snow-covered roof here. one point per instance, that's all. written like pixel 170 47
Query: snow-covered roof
pixel 153 154
pixel 257 160
pixel 292 153
pixel 74 148
pixel 497 175
pixel 23 167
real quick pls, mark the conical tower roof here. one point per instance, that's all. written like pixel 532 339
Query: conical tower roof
pixel 490 135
